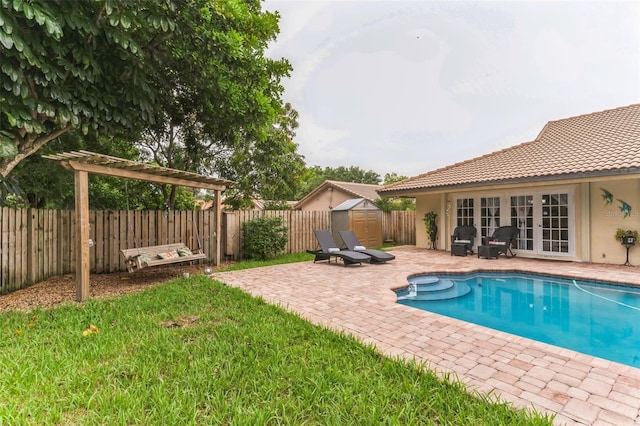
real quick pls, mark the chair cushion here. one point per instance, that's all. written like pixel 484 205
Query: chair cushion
pixel 333 249
pixel 359 248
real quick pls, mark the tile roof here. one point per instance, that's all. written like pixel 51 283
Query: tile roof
pixel 598 144
pixel 358 190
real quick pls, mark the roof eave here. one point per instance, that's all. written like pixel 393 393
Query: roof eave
pixel 537 179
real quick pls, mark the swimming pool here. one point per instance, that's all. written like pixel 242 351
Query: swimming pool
pixel 593 318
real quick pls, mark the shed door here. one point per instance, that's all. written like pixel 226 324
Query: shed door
pixel 367 227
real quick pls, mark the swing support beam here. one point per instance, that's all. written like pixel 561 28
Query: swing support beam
pixel 84 162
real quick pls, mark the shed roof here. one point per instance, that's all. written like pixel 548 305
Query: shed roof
pixel 350 204
pixel 598 144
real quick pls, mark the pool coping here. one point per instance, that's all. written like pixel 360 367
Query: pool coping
pixel 579 389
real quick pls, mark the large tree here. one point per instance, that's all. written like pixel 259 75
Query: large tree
pixel 269 168
pixel 87 65
pixel 225 117
pixel 190 75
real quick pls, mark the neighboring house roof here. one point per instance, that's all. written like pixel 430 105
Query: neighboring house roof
pixel 357 190
pixel 602 143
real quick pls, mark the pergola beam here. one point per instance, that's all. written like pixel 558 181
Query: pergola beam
pixel 138 175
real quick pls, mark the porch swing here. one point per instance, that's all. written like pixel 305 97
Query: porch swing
pixel 143 257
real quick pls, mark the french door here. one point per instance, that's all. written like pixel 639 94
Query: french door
pixel 545 222
pixel 544 219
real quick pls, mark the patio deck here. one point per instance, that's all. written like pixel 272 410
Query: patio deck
pixel 580 389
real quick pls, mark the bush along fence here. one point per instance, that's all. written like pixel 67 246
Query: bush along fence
pixel 36 244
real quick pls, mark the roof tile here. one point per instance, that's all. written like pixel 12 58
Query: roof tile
pixel 597 143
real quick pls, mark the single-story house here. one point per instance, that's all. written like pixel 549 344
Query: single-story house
pixel 567 191
pixel 331 194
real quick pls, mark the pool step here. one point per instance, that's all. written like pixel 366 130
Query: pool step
pixel 433 288
pixel 457 290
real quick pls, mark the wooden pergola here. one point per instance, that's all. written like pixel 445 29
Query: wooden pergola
pixel 84 162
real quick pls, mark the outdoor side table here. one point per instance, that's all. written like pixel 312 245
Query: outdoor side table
pixel 458 249
pixel 489 252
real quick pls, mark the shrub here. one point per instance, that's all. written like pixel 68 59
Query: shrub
pixel 264 238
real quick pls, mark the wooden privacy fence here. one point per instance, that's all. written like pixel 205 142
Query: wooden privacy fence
pixel 397 226
pixel 37 244
pixel 300 225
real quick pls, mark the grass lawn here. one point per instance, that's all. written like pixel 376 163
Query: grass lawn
pixel 194 351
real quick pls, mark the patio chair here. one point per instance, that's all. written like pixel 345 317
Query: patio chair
pixel 351 241
pixel 462 240
pixel 329 249
pixel 502 239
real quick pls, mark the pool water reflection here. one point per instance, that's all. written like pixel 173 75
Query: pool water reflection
pixel 593 318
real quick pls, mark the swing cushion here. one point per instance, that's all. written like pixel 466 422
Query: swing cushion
pixel 168 255
pixel 184 251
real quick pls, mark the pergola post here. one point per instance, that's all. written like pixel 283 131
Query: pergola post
pixel 217 201
pixel 82 235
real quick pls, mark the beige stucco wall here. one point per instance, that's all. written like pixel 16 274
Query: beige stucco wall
pixel 605 219
pixel 425 204
pixel 326 200
pixel 594 223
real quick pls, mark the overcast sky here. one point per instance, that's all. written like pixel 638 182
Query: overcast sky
pixel 411 86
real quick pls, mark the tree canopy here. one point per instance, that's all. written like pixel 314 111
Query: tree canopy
pixel 84 65
pixel 189 76
pixel 186 81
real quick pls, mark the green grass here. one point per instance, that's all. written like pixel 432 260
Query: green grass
pixel 283 258
pixel 194 351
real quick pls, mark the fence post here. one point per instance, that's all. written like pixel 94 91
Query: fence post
pixel 32 244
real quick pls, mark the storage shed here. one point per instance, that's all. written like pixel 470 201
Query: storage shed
pixel 361 216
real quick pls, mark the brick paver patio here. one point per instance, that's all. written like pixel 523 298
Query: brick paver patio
pixel 580 389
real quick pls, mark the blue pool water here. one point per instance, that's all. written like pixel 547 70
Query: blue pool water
pixel 596 319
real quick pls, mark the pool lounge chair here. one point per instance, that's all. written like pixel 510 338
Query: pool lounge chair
pixel 502 239
pixel 352 243
pixel 329 249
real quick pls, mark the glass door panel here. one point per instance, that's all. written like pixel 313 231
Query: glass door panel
pixel 555 223
pixel 522 218
pixel 489 216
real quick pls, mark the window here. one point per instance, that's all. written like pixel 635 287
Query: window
pixel 464 211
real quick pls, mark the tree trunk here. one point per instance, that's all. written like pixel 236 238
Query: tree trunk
pixel 27 146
